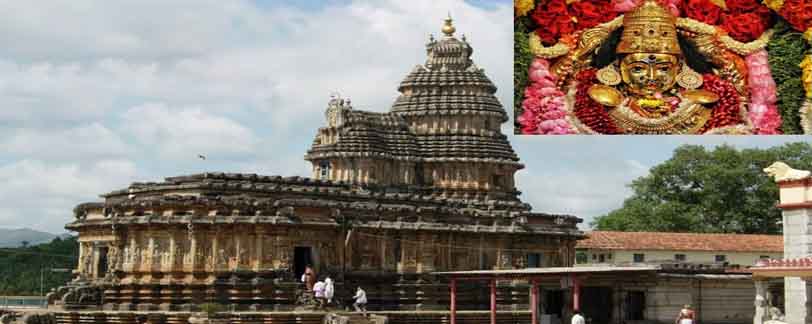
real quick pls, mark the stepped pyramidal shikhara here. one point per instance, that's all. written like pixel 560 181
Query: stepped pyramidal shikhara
pixel 394 196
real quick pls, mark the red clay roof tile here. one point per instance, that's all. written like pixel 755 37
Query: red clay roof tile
pixel 610 240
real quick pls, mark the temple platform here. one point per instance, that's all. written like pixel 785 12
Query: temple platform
pixel 314 317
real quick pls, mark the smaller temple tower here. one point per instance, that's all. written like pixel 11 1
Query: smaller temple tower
pixel 363 148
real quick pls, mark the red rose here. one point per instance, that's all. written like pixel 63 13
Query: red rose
pixel 553 20
pixel 744 27
pixel 591 12
pixel 702 10
pixel 742 6
pixel 798 13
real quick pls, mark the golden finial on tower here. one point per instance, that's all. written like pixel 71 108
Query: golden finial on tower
pixel 448 28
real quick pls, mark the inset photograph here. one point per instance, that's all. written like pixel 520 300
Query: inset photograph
pixel 662 67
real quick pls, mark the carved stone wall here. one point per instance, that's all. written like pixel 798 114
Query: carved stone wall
pixel 172 264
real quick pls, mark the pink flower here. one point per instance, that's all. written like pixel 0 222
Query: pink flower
pixel 540 63
pixel 622 6
pixel 539 75
pixel 544 111
pixel 533 90
pixel 762 112
pixel 551 92
pixel 673 101
pixel 531 104
pixel 672 6
pixel 554 114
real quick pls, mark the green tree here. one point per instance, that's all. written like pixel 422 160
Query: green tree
pixel 723 190
pixel 20 267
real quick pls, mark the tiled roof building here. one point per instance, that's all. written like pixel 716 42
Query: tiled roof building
pixel 610 240
pixel 619 247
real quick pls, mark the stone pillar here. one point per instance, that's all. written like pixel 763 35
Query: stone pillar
pixel 427 252
pixel 760 302
pixel 260 242
pixel 172 251
pixel 618 293
pixel 238 251
pixel 193 250
pixel 134 257
pixel 151 249
pixel 214 251
pixel 808 284
pixel 795 191
pixel 81 266
pixel 382 251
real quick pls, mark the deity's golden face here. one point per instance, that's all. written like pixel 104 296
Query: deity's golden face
pixel 647 74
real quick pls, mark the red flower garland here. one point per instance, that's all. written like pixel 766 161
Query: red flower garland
pixel 555 18
pixel 744 20
pixel 590 13
pixel 589 112
pixel 726 110
pixel 798 13
pixel 702 10
pixel 748 26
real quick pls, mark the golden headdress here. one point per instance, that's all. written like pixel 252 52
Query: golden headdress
pixel 649 28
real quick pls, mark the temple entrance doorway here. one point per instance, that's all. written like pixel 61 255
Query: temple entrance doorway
pixel 302 256
pixel 101 267
pixel 553 302
pixel 596 304
pixel 635 305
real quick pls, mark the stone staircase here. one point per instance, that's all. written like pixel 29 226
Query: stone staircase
pixel 353 318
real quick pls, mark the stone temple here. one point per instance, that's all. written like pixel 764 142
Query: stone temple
pixel 394 196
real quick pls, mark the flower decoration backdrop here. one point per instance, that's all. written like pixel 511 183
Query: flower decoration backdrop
pixel 773 39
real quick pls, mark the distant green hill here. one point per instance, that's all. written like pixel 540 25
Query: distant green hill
pixel 16 237
pixel 20 267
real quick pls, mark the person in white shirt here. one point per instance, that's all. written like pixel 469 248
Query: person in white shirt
pixel 329 290
pixel 318 292
pixel 360 301
pixel 686 315
pixel 577 318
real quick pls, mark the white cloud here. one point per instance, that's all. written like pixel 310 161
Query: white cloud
pixel 145 29
pixel 152 84
pixel 41 195
pixel 579 192
pixel 583 176
pixel 37 93
pixel 91 141
pixel 226 55
pixel 186 132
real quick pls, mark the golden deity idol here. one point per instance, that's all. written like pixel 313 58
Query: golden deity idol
pixel 644 82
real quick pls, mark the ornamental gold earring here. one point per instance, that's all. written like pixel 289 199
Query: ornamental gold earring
pixel 688 78
pixel 608 75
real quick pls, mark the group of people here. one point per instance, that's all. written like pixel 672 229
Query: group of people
pixel 686 316
pixel 324 291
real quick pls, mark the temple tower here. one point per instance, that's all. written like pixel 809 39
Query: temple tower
pixel 442 134
pixel 449 104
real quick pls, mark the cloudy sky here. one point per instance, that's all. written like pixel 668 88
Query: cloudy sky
pixel 96 95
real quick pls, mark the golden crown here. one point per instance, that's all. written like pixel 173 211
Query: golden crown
pixel 649 28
